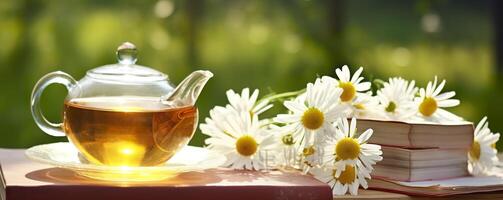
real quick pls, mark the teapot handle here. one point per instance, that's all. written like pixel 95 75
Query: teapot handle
pixel 54 129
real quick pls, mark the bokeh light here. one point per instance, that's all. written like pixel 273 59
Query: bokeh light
pixel 276 46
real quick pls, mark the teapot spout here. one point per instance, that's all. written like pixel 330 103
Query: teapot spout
pixel 187 92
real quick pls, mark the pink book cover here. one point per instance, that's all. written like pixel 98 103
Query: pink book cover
pixel 23 179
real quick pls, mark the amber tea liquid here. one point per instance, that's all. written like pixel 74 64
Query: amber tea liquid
pixel 128 131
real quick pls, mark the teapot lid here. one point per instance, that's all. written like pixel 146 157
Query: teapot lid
pixel 126 70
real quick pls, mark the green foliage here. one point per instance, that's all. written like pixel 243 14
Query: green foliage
pixel 271 45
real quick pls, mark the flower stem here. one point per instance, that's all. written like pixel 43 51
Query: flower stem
pixel 282 95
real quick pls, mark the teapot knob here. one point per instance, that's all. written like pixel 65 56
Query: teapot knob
pixel 126 53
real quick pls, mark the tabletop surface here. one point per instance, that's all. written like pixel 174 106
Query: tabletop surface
pixel 372 194
pixel 363 194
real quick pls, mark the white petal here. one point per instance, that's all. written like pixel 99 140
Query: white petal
pixel 287 118
pixel 345 188
pixel 356 75
pixel 439 88
pixel 363 86
pixel 429 87
pixel 253 98
pixel 365 136
pixel 448 103
pixel 354 188
pixel 422 93
pixel 346 73
pixel 340 74
pixel 339 189
pixel 352 129
pixel 295 106
pixel 481 124
pixel 345 126
pixel 445 95
pixel 328 79
pixel 446 115
pixel 363 183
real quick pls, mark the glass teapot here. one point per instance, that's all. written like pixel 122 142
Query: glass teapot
pixel 124 114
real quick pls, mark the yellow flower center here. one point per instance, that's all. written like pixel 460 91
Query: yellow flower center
pixel 359 106
pixel 287 139
pixel 313 118
pixel 347 148
pixel 246 145
pixel 493 145
pixel 391 107
pixel 348 91
pixel 428 106
pixel 308 151
pixel 348 176
pixel 475 150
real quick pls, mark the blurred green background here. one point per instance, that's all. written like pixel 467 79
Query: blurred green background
pixel 275 46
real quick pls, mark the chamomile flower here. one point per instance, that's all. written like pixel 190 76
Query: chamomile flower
pixel 237 135
pixel 245 102
pixel 312 113
pixel 350 85
pixel 396 98
pixel 364 105
pixel 311 157
pixel 344 149
pixel 482 155
pixel 431 102
pixel 286 148
pixel 348 180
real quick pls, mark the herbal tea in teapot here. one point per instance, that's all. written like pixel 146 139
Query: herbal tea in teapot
pixel 124 114
pixel 128 131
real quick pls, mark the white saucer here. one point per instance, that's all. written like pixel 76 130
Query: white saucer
pixel 65 155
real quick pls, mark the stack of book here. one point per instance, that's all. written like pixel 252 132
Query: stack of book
pixel 420 152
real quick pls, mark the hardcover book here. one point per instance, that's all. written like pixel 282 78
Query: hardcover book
pixel 422 158
pixel 420 174
pixel 24 179
pixel 416 135
pixel 447 187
